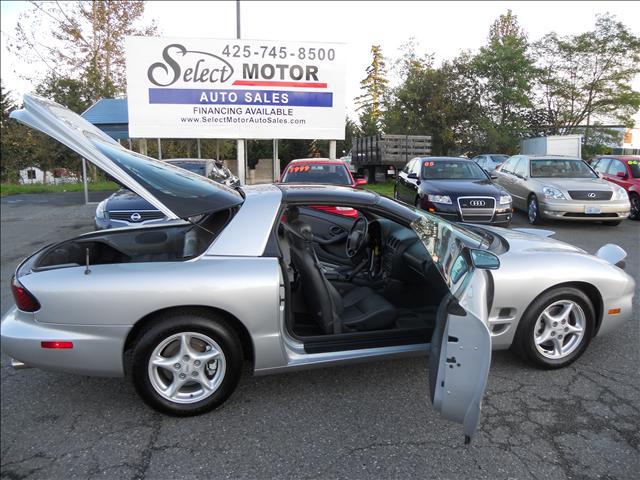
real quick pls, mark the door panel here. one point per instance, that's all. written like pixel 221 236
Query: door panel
pixel 330 234
pixel 460 353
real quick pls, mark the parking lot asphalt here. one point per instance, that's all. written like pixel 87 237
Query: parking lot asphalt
pixel 371 420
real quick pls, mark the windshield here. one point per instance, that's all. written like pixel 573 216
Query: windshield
pixel 634 165
pixel 325 173
pixel 499 158
pixel 561 168
pixel 195 167
pixel 452 170
pixel 444 241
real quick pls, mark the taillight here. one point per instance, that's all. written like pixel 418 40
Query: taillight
pixel 25 301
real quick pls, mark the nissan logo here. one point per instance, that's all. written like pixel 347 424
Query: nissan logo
pixel 591 195
pixel 477 203
pixel 135 217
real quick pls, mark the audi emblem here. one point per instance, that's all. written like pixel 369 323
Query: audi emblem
pixel 477 203
pixel 591 195
pixel 135 217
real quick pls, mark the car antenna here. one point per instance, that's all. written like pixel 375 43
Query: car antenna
pixel 87 270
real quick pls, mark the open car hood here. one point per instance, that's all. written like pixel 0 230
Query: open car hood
pixel 174 191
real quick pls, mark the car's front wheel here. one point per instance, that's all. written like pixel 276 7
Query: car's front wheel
pixel 186 363
pixel 556 328
pixel 533 211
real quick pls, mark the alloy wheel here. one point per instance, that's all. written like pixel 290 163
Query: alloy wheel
pixel 187 367
pixel 559 329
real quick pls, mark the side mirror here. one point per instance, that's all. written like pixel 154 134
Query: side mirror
pixel 413 176
pixel 361 181
pixel 621 175
pixel 484 259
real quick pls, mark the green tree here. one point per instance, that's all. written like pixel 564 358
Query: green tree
pixel 506 70
pixel 81 40
pixel 374 87
pixel 436 101
pixel 18 144
pixel 587 78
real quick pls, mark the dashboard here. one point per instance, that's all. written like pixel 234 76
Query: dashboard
pixel 396 252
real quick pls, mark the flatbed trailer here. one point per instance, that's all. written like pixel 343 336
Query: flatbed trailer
pixel 379 157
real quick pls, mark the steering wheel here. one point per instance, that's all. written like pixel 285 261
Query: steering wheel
pixel 357 237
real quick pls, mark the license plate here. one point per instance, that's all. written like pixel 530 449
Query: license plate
pixel 591 209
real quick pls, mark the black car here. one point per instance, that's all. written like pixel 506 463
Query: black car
pixel 124 208
pixel 454 188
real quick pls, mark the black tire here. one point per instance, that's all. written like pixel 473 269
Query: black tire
pixel 533 210
pixel 524 341
pixel 634 199
pixel 164 326
pixel 612 223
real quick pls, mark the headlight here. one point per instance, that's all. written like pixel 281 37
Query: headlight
pixel 505 199
pixel 550 192
pixel 101 209
pixel 439 199
pixel 619 193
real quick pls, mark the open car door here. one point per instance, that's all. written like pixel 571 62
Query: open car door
pixel 460 353
pixel 176 192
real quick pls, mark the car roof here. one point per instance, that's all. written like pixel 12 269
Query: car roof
pixel 551 157
pixel 437 159
pixel 316 160
pixel 330 194
pixel 624 158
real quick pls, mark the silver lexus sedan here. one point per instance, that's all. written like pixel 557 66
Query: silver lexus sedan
pixel 265 278
pixel 562 188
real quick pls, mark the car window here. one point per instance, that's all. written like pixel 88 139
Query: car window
pixel 600 165
pixel 452 170
pixel 407 167
pixel 510 164
pixel 561 168
pixel 324 173
pixel 498 158
pixel 415 168
pixel 634 165
pixel 615 167
pixel 521 167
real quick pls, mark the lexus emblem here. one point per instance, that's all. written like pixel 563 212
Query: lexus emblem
pixel 591 195
pixel 477 203
pixel 135 217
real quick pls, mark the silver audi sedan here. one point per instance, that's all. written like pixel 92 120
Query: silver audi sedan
pixel 562 188
pixel 263 277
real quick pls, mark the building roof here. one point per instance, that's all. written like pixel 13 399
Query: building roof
pixel 111 115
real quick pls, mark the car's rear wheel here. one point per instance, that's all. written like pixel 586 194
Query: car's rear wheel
pixel 556 328
pixel 533 211
pixel 634 214
pixel 186 363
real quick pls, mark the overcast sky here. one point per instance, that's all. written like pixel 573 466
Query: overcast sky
pixel 441 28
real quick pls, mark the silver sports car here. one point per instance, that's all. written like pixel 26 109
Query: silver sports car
pixel 261 276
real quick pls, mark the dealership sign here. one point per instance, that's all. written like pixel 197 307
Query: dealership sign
pixel 213 88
